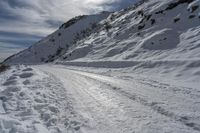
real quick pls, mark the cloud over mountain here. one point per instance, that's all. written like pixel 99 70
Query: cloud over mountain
pixel 23 22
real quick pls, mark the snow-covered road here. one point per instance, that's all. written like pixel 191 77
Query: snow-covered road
pixel 107 104
pixel 60 99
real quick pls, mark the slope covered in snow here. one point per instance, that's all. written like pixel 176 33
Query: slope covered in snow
pixel 159 37
pixel 154 34
pixel 56 44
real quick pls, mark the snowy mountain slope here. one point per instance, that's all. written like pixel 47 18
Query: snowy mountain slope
pixel 160 35
pixel 153 37
pixel 158 38
pixel 146 33
pixel 53 46
pixel 155 30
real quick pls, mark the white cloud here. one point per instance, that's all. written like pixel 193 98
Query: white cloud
pixel 33 15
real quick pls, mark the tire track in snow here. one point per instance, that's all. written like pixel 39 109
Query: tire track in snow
pixel 118 90
pixel 153 105
pixel 162 111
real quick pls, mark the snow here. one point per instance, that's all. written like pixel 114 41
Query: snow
pixel 58 42
pixel 135 70
pixel 159 41
pixel 166 44
pixel 86 99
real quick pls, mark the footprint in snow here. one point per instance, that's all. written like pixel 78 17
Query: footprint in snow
pixel 38 100
pixel 45 116
pixel 12 89
pixel 8 93
pixel 26 75
pixel 73 125
pixel 10 82
pixel 53 109
pixel 27 70
pixel 13 71
pixel 26 82
pixel 12 78
pixel 39 107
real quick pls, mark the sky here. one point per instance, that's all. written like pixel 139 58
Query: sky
pixel 24 22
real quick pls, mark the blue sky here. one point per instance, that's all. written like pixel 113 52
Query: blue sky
pixel 24 22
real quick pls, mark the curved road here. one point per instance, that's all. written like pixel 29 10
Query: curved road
pixel 114 105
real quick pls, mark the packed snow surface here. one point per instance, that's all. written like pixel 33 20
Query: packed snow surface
pixel 55 98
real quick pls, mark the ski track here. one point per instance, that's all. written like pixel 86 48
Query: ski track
pixel 114 105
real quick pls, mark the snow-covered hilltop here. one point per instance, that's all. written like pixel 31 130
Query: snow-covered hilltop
pixel 153 34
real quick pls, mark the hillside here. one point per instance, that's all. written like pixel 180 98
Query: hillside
pixel 158 35
pixel 58 43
